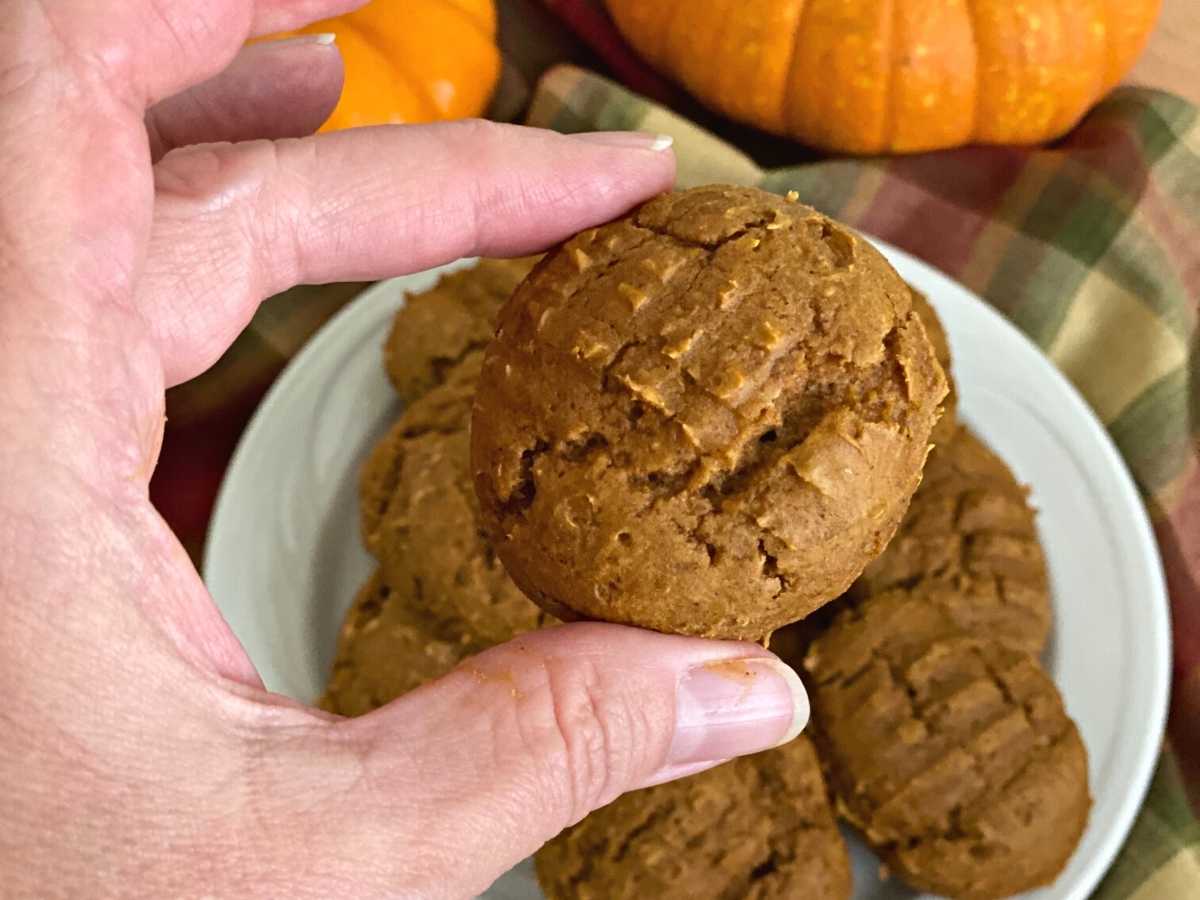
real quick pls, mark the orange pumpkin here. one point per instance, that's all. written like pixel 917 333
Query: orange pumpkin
pixel 414 61
pixel 872 76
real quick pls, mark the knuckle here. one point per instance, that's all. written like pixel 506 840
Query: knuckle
pixel 597 730
pixel 478 133
pixel 203 172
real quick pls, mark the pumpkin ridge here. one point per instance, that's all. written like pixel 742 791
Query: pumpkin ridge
pixel 646 35
pixel 887 127
pixel 727 29
pixel 790 88
pixel 972 23
pixel 785 108
pixel 1058 106
pixel 674 20
pixel 1110 56
pixel 706 46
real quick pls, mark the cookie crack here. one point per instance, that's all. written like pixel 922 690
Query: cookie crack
pixel 797 418
pixel 732 483
pixel 663 484
pixel 597 271
pixel 606 376
pixel 768 866
pixel 522 495
pixel 578 450
pixel 372 608
pixel 390 481
pixel 443 365
pixel 711 246
pixel 647 825
pixel 771 570
pixel 417 431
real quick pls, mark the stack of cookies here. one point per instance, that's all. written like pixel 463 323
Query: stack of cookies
pixel 935 732
pixel 944 742
pixel 439 593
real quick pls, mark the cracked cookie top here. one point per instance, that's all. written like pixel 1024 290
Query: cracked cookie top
pixel 755 828
pixel 970 539
pixel 951 752
pixel 704 418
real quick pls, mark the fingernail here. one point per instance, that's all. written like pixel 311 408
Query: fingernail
pixel 735 707
pixel 324 39
pixel 628 140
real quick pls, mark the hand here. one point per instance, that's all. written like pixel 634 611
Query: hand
pixel 140 753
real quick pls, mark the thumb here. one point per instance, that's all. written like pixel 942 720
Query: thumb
pixel 468 775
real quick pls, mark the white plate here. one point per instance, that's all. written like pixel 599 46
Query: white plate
pixel 284 557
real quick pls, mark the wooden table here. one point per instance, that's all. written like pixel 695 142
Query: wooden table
pixel 1172 59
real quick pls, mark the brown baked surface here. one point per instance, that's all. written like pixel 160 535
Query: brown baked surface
pixel 944 430
pixel 386 648
pixel 438 328
pixel 421 519
pixel 704 417
pixel 970 535
pixel 952 754
pixel 758 827
pixel 440 594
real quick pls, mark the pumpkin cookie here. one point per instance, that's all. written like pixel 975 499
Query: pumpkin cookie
pixel 705 417
pixel 757 827
pixel 944 430
pixel 387 647
pixel 951 753
pixel 438 328
pixel 420 518
pixel 970 538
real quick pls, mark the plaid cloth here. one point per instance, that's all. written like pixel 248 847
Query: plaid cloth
pixel 1091 246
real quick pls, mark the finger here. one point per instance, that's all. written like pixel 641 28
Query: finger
pixel 234 224
pixel 272 90
pixel 146 50
pixel 529 737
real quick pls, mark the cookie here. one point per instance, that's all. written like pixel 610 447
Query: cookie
pixel 757 827
pixel 386 648
pixel 438 328
pixel 703 418
pixel 951 753
pixel 420 519
pixel 944 430
pixel 970 535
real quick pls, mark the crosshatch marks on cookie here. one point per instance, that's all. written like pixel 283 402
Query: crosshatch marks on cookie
pixel 703 418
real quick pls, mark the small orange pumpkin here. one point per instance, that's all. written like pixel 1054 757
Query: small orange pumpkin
pixel 875 76
pixel 414 61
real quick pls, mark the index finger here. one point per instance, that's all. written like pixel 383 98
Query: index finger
pixel 236 223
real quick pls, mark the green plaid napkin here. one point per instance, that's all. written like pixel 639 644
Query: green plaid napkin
pixel 1092 247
